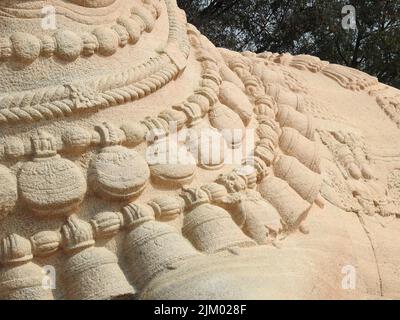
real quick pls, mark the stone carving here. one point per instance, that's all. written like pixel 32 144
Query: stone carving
pixel 231 96
pixel 257 217
pixel 20 278
pixel 14 148
pixel 171 163
pixel 335 189
pixel 390 103
pixel 226 120
pixel 350 78
pixel 8 192
pixel 69 45
pixel 45 243
pixel 304 181
pixel 167 208
pixel 50 185
pixel 132 84
pixel 85 263
pixel 290 205
pixel 288 117
pixel 302 62
pixel 76 139
pixel 294 144
pixel 120 102
pixel 351 156
pixel 210 228
pixel 135 133
pixel 149 241
pixel 107 224
pixel 117 173
pixel 208 147
pixel 271 77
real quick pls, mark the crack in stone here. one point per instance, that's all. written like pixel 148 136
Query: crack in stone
pixel 368 234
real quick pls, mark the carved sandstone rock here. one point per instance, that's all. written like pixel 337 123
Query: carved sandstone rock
pixel 50 185
pixel 100 179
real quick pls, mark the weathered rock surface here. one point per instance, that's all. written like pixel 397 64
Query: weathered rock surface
pixel 96 185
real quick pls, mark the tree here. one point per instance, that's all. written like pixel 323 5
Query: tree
pixel 307 27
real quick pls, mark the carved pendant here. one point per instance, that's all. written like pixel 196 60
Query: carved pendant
pixel 50 185
pixel 20 278
pixel 23 282
pixel 118 173
pixel 171 163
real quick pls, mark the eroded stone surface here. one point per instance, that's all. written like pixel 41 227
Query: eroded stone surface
pixel 81 109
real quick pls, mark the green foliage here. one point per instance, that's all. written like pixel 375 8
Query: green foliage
pixel 307 27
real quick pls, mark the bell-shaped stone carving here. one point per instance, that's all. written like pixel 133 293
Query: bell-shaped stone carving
pixel 50 185
pixel 20 278
pixel 210 228
pixel 152 247
pixel 90 272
